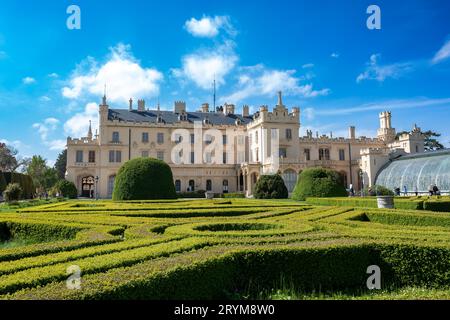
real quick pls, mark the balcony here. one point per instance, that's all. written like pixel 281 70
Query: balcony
pixel 85 164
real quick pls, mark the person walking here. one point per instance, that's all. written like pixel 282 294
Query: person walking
pixel 416 191
pixel 405 190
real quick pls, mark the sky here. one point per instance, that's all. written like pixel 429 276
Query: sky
pixel 321 54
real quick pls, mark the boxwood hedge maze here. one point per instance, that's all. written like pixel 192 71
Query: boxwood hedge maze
pixel 222 248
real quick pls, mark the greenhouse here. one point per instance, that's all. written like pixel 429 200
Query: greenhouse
pixel 417 172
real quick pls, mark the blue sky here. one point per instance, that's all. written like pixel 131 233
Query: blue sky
pixel 319 53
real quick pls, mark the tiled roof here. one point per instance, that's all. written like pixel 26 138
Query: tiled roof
pixel 169 117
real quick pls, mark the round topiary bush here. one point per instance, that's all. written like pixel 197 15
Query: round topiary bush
pixel 270 187
pixel 66 189
pixel 377 190
pixel 319 182
pixel 143 179
pixel 13 192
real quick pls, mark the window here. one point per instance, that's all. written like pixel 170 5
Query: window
pixel 417 148
pixel 289 134
pixel 79 156
pixel 224 139
pixel 192 157
pixel 115 156
pixel 144 154
pixel 91 156
pixel 282 152
pixel 341 154
pixel 115 136
pixel 307 153
pixel 208 185
pixel 324 154
pixel 177 185
pixel 160 155
pixel 224 157
pixel 178 138
pixel 145 137
pixel 160 138
pixel 192 138
pixel 208 139
pixel 225 186
pixel 191 186
pixel 111 180
pixel 256 137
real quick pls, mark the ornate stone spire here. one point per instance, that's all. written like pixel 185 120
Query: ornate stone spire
pixel 89 135
pixel 280 99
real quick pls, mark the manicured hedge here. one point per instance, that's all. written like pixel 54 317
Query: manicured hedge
pixel 270 187
pixel 233 195
pixel 2 183
pixel 318 182
pixel 199 194
pixel 144 178
pixel 404 203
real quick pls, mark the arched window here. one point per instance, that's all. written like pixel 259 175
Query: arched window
pixel 191 186
pixel 177 185
pixel 344 178
pixel 290 179
pixel 208 185
pixel 111 180
pixel 225 186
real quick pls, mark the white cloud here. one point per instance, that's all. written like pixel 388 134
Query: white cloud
pixel 205 66
pixel 309 113
pixel 308 65
pixel 209 27
pixel 47 127
pixel 77 126
pixel 16 143
pixel 334 55
pixel 45 99
pixel 383 105
pixel 122 74
pixel 377 72
pixel 442 54
pixel 28 80
pixel 260 81
pixel 53 75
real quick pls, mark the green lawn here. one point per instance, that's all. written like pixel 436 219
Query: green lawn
pixel 221 248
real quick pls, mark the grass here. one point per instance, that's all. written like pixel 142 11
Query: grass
pixel 221 248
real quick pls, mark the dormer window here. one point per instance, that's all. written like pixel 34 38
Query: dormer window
pixel 238 122
pixel 183 117
pixel 159 119
pixel 206 121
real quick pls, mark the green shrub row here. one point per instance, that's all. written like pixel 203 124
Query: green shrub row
pixel 218 272
pixel 399 203
pixel 99 263
pixel 233 195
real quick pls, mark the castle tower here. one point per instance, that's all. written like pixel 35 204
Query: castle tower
pixel 386 132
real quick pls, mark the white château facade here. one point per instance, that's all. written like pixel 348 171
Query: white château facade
pixel 93 161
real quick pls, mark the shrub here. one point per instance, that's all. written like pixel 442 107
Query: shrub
pixel 377 190
pixel 12 192
pixel 199 194
pixel 233 195
pixel 2 183
pixel 66 189
pixel 144 178
pixel 318 182
pixel 270 187
pixel 433 205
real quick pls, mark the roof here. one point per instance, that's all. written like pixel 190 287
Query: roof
pixel 417 171
pixel 169 117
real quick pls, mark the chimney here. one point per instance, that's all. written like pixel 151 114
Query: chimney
pixel 351 132
pixel 131 104
pixel 229 109
pixel 180 107
pixel 141 105
pixel 205 107
pixel 245 111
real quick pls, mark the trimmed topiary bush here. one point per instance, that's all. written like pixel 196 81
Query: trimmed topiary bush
pixel 13 192
pixel 270 187
pixel 66 189
pixel 377 190
pixel 143 179
pixel 319 182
